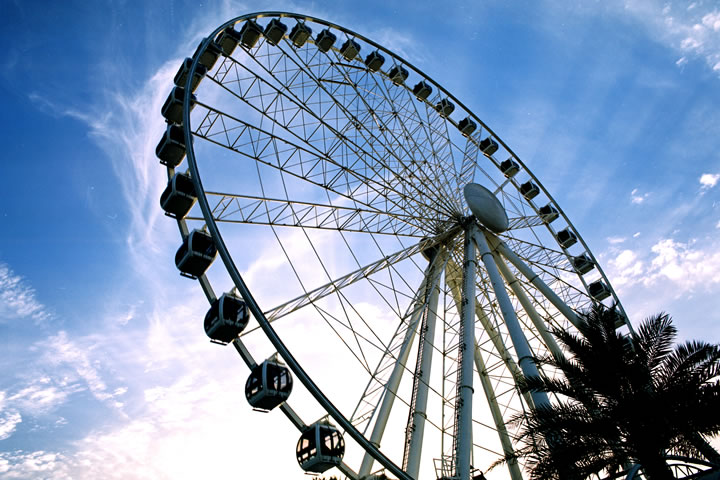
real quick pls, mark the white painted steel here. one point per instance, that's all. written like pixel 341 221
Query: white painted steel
pixel 430 279
pixel 463 452
pixel 541 326
pixel 535 279
pixel 525 356
pixel 419 416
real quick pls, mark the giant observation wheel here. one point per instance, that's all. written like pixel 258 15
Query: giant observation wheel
pixel 384 250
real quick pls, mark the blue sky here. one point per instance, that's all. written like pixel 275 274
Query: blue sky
pixel 106 372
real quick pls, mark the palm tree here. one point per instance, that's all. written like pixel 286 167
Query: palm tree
pixel 622 400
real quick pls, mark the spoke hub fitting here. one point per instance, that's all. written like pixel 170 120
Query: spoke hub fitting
pixel 486 208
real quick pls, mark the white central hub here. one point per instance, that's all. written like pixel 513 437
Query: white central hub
pixel 486 207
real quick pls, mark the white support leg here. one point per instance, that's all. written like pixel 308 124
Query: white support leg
pixel 417 428
pixel 467 347
pixel 535 280
pixel 394 381
pixel 453 281
pixel 517 336
pixel 527 305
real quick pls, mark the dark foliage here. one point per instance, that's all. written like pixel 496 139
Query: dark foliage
pixel 623 400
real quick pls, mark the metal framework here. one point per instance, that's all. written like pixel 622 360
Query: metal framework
pixel 343 179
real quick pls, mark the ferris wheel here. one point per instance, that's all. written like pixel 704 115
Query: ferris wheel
pixel 385 253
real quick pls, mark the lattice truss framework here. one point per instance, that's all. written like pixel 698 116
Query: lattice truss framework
pixel 346 179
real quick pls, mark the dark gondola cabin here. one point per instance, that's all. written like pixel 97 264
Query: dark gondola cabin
pixel 374 61
pixel 529 190
pixel 549 213
pixel 325 40
pixel 171 148
pixel 566 238
pixel 398 74
pixel 350 49
pixel 582 263
pixel 250 33
pixel 179 196
pixel 274 31
pixel 209 56
pixel 509 167
pixel 182 75
pixel 172 109
pixel 226 318
pixel 320 448
pixel 300 34
pixel 445 107
pixel 598 290
pixel 268 385
pixel 466 126
pixel 422 90
pixel 196 254
pixel 228 41
pixel 488 146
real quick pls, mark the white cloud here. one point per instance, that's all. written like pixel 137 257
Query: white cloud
pixel 637 198
pixel 9 420
pixel 39 464
pixel 17 299
pixel 709 180
pixel 672 267
pixel 615 240
pixel 685 266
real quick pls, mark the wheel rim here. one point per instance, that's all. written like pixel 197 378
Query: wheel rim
pixel 390 171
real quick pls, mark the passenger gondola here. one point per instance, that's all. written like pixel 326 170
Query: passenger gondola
pixel 196 254
pixel 398 74
pixel 566 238
pixel 209 56
pixel 374 61
pixel 250 33
pixel 226 319
pixel 598 290
pixel 467 126
pixel 549 213
pixel 509 168
pixel 182 74
pixel 300 34
pixel 445 107
pixel 488 146
pixel 321 447
pixel 529 190
pixel 171 148
pixel 325 40
pixel 268 385
pixel 350 49
pixel 179 196
pixel 274 31
pixel 172 109
pixel 422 90
pixel 582 263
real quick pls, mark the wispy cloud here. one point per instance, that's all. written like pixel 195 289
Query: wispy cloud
pixel 17 298
pixel 692 30
pixel 65 353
